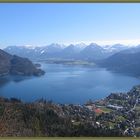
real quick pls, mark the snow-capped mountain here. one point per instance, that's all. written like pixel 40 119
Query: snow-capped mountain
pixel 73 51
pixel 115 48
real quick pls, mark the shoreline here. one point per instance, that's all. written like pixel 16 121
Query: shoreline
pixel 112 115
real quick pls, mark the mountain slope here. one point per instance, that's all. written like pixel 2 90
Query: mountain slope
pixel 4 62
pixel 124 61
pixel 12 64
pixel 92 52
pixel 116 115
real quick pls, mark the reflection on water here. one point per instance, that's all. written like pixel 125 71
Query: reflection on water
pixel 7 79
pixel 66 84
pixel 3 81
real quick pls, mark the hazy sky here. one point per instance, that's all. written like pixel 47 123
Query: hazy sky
pixel 41 24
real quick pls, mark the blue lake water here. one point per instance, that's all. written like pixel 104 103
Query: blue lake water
pixel 66 84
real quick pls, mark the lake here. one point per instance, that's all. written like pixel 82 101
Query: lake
pixel 66 84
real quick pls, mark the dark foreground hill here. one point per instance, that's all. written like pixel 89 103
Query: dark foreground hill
pixel 12 64
pixel 116 115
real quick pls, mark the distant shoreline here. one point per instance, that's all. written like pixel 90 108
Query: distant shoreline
pixel 68 62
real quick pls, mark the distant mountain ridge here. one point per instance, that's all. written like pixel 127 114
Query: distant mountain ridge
pixel 125 61
pixel 79 51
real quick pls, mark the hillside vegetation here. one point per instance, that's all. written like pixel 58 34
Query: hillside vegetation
pixel 116 115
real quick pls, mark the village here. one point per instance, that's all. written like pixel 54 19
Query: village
pixel 117 111
pixel 116 115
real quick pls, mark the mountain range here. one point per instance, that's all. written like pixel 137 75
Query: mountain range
pixel 89 52
pixel 118 57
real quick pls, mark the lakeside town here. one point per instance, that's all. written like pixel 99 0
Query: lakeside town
pixel 116 115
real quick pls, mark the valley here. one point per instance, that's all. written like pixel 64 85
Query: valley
pixel 117 58
pixel 83 91
pixel 69 70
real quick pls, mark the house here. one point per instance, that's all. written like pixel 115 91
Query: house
pixel 114 107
